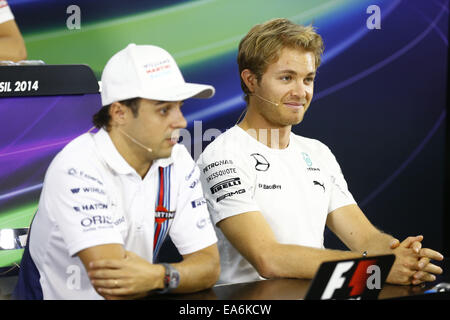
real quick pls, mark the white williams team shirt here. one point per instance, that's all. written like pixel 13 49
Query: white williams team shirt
pixel 5 12
pixel 92 196
pixel 294 188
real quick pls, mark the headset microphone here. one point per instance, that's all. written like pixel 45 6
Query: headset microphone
pixel 275 104
pixel 135 141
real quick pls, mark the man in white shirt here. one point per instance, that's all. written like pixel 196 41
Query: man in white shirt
pixel 12 46
pixel 110 199
pixel 271 192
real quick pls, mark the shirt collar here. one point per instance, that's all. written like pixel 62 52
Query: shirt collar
pixel 114 159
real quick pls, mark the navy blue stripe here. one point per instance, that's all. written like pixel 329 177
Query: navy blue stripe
pixel 28 286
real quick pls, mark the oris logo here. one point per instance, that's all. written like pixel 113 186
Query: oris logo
pixel 261 162
pixel 96 220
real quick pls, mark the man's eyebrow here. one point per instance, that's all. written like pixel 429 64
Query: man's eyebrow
pixel 289 71
pixel 159 104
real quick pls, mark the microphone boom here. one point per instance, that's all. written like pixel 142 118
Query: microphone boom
pixel 276 104
pixel 135 141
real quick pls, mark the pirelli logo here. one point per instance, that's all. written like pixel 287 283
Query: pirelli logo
pixel 225 184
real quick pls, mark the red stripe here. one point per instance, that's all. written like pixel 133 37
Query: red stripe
pixel 359 278
pixel 161 187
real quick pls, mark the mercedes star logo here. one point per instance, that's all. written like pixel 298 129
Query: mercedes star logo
pixel 261 163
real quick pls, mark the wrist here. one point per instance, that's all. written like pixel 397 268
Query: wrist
pixel 381 244
pixel 157 277
pixel 171 278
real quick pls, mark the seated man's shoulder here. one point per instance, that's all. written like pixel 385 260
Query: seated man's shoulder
pixel 80 147
pixel 225 143
pixel 79 154
pixel 180 154
pixel 311 143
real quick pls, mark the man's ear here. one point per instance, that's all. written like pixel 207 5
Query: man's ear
pixel 249 79
pixel 118 113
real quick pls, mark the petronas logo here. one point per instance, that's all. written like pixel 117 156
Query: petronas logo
pixel 307 159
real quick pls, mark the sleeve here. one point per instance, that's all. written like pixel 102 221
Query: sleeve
pixel 227 183
pixel 340 195
pixel 78 203
pixel 5 12
pixel 192 229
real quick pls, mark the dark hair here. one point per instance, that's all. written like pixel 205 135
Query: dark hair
pixel 102 118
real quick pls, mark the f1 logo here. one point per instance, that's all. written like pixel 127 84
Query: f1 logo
pixel 366 274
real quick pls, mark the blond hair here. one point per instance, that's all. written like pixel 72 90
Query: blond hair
pixel 263 43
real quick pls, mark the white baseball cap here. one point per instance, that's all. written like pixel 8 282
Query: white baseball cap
pixel 150 72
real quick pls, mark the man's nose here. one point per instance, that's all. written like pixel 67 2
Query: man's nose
pixel 300 89
pixel 179 121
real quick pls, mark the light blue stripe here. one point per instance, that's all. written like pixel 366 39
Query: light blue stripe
pixel 20 191
pixel 169 169
pixel 165 188
pixel 161 237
